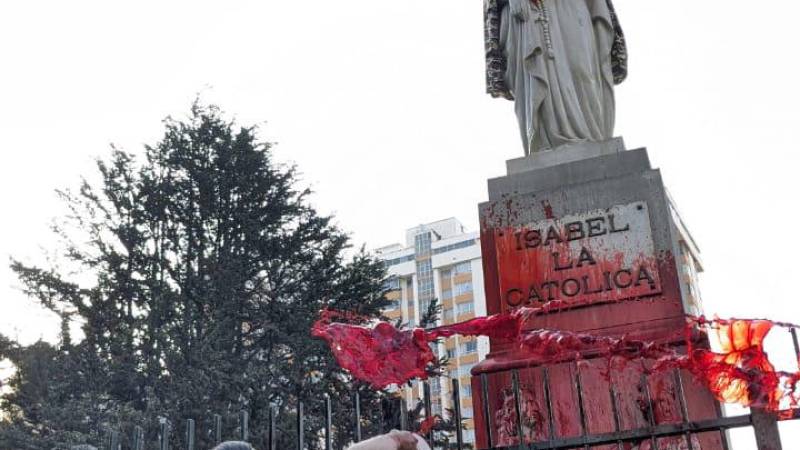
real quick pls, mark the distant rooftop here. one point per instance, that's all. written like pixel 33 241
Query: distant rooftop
pixel 440 230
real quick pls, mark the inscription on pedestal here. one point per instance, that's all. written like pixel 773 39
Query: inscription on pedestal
pixel 582 259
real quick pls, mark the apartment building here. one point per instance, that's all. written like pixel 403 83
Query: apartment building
pixel 440 260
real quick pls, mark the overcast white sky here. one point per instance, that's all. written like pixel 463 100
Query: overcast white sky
pixel 381 104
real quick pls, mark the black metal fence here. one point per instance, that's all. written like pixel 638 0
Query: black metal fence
pixel 189 430
pixel 764 424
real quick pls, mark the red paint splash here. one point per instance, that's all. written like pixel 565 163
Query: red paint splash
pixel 740 372
pixel 427 425
pixel 382 355
pixel 499 326
pixel 379 355
pixel 551 346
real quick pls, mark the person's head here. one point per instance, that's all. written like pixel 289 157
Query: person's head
pixel 421 444
pixel 393 440
pixel 234 445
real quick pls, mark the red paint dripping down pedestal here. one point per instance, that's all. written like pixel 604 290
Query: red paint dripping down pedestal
pixel 607 258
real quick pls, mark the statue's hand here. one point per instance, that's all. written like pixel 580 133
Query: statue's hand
pixel 520 9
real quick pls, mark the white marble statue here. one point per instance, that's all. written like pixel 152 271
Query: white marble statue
pixel 559 61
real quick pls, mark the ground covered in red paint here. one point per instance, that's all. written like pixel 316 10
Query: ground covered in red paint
pixel 739 372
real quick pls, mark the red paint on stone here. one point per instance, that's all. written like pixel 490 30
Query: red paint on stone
pixel 572 273
pixel 548 209
pixel 647 315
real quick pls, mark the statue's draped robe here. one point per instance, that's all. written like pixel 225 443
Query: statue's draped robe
pixel 562 87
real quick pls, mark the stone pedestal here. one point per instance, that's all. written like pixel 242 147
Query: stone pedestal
pixel 589 234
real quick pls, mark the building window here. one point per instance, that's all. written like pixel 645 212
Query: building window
pixel 468 436
pixel 422 243
pixel 465 368
pixel 394 305
pixel 394 262
pixel 456 246
pixel 464 308
pixel 469 347
pixel 425 291
pixel 447 294
pixel 425 266
pixel 452 373
pixel 463 288
pixel 445 274
pixel 452 353
pixel 466 391
pixel 466 413
pixel 425 279
pixel 391 284
pixel 447 314
pixel 464 267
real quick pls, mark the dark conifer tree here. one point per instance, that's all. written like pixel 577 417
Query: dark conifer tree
pixel 195 273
